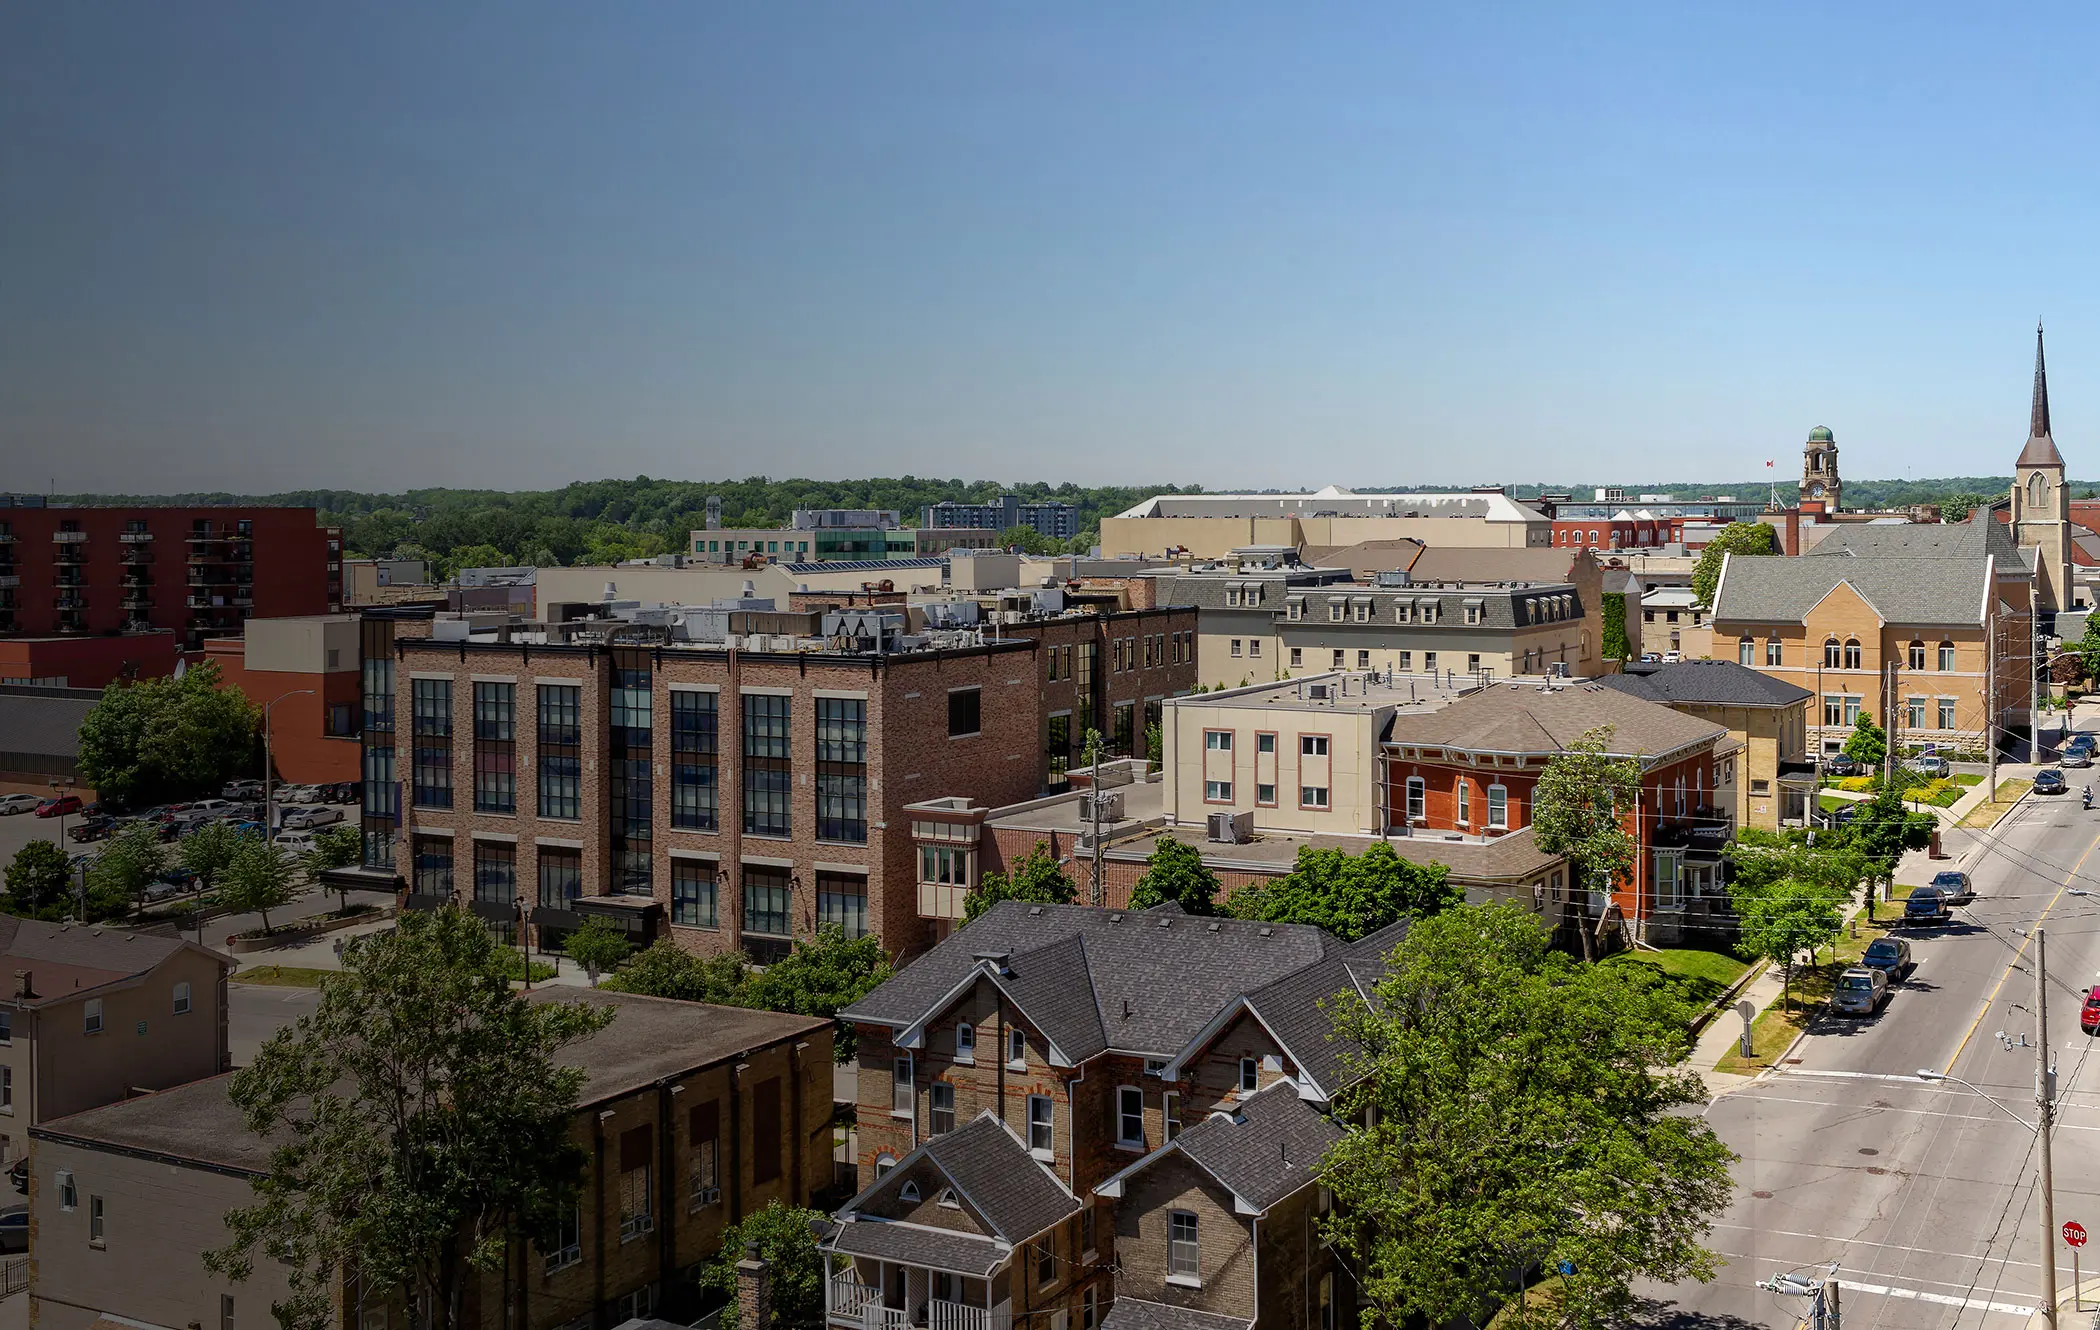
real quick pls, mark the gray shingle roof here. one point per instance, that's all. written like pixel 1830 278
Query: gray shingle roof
pixel 64 959
pixel 1093 976
pixel 1904 540
pixel 1136 1314
pixel 1267 1148
pixel 1530 719
pixel 1291 1009
pixel 1917 590
pixel 914 1244
pixel 1014 1193
pixel 1710 682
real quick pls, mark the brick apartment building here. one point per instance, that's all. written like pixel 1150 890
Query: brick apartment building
pixel 1050 1137
pixel 199 572
pixel 691 1117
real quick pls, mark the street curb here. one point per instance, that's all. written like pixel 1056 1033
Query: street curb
pixel 1751 974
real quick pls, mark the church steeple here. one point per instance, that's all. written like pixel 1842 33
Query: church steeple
pixel 2041 446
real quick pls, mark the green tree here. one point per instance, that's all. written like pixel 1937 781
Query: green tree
pixel 597 946
pixel 1868 743
pixel 1028 540
pixel 1788 894
pixel 1740 538
pixel 1616 645
pixel 1155 745
pixel 258 880
pixel 337 846
pixel 1525 1119
pixel 786 1239
pixel 39 881
pixel 167 738
pixel 666 970
pixel 1579 812
pixel 1037 878
pixel 209 849
pixel 477 556
pixel 128 864
pixel 820 976
pixel 419 1120
pixel 1957 507
pixel 1880 832
pixel 1176 872
pixel 1349 895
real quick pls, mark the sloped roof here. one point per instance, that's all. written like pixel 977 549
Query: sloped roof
pixel 1137 1314
pixel 1708 682
pixel 1919 590
pixel 1528 718
pixel 1091 979
pixel 1906 540
pixel 65 959
pixel 917 1244
pixel 1365 557
pixel 1012 1190
pixel 1266 1148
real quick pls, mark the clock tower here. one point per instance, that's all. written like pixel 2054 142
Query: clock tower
pixel 1819 469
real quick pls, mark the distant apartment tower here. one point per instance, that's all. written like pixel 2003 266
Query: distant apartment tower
pixel 1058 521
pixel 199 572
pixel 816 519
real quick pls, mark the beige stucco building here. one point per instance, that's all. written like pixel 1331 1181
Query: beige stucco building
pixel 1211 526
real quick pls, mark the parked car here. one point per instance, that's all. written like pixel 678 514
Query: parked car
pixel 2075 754
pixel 299 794
pixel 306 818
pixel 1860 991
pixel 59 806
pixel 1673 657
pixel 1840 765
pixel 10 804
pixel 243 789
pixel 18 1174
pixel 1890 955
pixel 2089 1015
pixel 1930 766
pixel 14 1228
pixel 1926 906
pixel 173 882
pixel 1955 886
pixel 2049 781
pixel 209 806
pixel 342 792
pixel 294 839
pixel 91 828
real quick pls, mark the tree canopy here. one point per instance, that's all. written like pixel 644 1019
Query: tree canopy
pixel 1175 872
pixel 1038 878
pixel 818 977
pixel 168 738
pixel 1868 743
pixel 39 882
pixel 1349 895
pixel 1579 810
pixel 1524 1119
pixel 418 1119
pixel 1789 895
pixel 785 1240
pixel 1743 538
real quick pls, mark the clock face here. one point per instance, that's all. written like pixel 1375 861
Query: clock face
pixel 1815 491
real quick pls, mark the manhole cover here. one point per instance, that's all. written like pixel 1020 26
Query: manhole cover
pixel 1762 1195
pixel 1878 1172
pixel 1869 1150
pixel 1793 1062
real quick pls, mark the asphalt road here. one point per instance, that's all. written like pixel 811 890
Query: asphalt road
pixel 1925 1194
pixel 254 1012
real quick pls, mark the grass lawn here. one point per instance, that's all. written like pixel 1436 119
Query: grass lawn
pixel 1830 803
pixel 1941 797
pixel 284 976
pixel 1774 1029
pixel 1967 778
pixel 1698 977
pixel 1546 1292
pixel 1988 812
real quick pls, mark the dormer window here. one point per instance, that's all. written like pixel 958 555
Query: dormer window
pixel 909 1193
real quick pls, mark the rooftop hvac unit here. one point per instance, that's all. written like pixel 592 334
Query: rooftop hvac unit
pixel 1318 692
pixel 1230 828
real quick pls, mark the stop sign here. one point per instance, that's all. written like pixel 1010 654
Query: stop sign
pixel 2074 1233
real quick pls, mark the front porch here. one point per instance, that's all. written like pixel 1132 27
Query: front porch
pixel 873 1294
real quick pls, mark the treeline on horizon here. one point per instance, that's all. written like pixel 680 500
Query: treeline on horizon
pixel 605 521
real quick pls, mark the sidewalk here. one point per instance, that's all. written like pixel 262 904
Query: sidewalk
pixel 318 952
pixel 1725 1031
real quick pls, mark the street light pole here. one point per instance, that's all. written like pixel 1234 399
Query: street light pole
pixel 2044 1105
pixel 269 800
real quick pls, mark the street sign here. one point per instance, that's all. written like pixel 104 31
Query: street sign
pixel 2074 1233
pixel 1748 1011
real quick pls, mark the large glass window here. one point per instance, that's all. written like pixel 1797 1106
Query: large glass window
pixel 768 770
pixel 842 769
pixel 1852 653
pixel 561 877
pixel 433 866
pixel 631 790
pixel 694 745
pixel 378 694
pixel 495 763
pixel 694 899
pixel 1946 710
pixel 767 902
pixel 1773 654
pixel 1183 1253
pixel 1946 654
pixel 1057 747
pixel 560 750
pixel 842 899
pixel 495 872
pixel 432 722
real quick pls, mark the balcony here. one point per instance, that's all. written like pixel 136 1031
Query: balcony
pixel 7 537
pixel 852 1305
pixel 138 600
pixel 68 537
pixel 136 537
pixel 9 581
pixel 135 556
pixel 69 602
pixel 69 556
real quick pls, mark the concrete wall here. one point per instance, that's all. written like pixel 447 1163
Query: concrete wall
pixel 304 644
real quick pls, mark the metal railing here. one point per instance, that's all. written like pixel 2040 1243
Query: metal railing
pixel 14 1274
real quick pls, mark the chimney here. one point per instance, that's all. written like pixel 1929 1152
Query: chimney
pixel 1793 531
pixel 22 988
pixel 754 1291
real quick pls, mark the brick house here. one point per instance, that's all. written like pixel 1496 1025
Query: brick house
pixel 1766 718
pixel 692 1116
pixel 1042 1039
pixel 1468 771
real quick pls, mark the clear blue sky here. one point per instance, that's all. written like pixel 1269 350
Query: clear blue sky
pixel 262 246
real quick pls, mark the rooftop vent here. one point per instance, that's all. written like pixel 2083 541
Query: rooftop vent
pixel 1000 961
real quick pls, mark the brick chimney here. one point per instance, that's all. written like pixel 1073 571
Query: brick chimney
pixel 754 1291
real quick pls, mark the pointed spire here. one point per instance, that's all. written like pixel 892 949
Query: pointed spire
pixel 2039 427
pixel 2041 447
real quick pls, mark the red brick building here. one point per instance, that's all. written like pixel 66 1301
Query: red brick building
pixel 199 572
pixel 1468 771
pixel 76 660
pixel 305 669
pixel 1618 533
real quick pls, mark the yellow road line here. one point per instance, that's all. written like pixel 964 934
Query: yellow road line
pixel 1992 1000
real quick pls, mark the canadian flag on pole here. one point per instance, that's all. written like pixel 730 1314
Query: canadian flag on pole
pixel 1768 464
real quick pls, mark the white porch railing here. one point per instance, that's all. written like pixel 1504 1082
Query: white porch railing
pixel 875 1316
pixel 954 1316
pixel 849 1297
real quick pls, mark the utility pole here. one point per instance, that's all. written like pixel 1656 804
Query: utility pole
pixel 1888 714
pixel 1833 1316
pixel 2044 1103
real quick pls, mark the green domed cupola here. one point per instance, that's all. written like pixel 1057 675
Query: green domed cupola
pixel 1821 434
